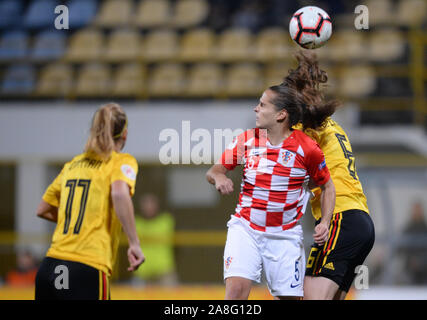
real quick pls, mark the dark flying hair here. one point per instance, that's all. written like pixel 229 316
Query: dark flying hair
pixel 306 79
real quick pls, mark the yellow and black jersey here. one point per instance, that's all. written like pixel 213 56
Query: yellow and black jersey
pixel 339 157
pixel 88 229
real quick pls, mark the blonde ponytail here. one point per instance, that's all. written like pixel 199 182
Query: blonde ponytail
pixel 108 125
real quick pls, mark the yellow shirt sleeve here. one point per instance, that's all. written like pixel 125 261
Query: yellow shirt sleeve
pixel 313 134
pixel 53 192
pixel 125 169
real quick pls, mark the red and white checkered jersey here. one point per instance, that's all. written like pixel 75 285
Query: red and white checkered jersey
pixel 273 194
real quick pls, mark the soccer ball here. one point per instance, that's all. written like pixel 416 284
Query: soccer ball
pixel 310 27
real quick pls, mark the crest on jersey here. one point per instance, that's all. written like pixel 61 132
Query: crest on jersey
pixel 322 165
pixel 128 171
pixel 286 158
pixel 228 262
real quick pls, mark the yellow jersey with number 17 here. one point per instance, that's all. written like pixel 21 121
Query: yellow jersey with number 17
pixel 88 230
pixel 339 157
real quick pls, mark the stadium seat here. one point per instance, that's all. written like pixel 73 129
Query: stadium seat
pixel 93 80
pixel 40 14
pixel 19 79
pixel 380 12
pixel 167 80
pixel 14 46
pixel 114 13
pixel 10 13
pixel 81 12
pixel 48 45
pixel 56 80
pixel 152 13
pixel 271 44
pixel 129 81
pixel 234 45
pixel 205 80
pixel 386 45
pixel 197 45
pixel 244 80
pixel 85 45
pixel 160 45
pixel 331 87
pixel 356 81
pixel 123 45
pixel 189 13
pixel 346 44
pixel 411 12
pixel 275 72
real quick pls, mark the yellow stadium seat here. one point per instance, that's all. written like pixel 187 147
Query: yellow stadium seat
pixel 114 13
pixel 244 80
pixel 411 12
pixel 347 44
pixel 381 12
pixel 85 45
pixel 386 45
pixel 235 45
pixel 167 80
pixel 160 45
pixel 205 80
pixel 123 45
pixel 197 45
pixel 129 81
pixel 56 80
pixel 275 72
pixel 93 81
pixel 152 13
pixel 272 44
pixel 356 81
pixel 330 88
pixel 189 13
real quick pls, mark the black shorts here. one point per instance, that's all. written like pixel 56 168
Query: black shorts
pixel 68 280
pixel 351 238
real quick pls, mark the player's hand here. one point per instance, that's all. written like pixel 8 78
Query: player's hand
pixel 321 233
pixel 224 185
pixel 135 257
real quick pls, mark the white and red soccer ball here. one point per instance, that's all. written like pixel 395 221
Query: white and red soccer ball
pixel 310 27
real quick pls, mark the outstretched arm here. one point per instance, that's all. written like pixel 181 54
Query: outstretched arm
pixel 216 176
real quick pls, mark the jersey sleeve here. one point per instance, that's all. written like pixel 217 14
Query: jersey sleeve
pixel 316 166
pixel 125 169
pixel 233 155
pixel 53 192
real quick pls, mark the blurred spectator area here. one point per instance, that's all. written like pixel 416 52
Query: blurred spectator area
pixel 204 49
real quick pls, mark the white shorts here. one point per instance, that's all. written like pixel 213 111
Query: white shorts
pixel 281 256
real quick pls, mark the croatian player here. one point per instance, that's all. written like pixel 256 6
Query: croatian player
pixel 264 233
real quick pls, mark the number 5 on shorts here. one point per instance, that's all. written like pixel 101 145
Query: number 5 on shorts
pixel 297 270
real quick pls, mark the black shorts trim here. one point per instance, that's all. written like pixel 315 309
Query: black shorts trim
pixel 59 279
pixel 351 238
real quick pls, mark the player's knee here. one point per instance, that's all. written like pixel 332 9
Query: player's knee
pixel 319 288
pixel 236 289
pixel 237 292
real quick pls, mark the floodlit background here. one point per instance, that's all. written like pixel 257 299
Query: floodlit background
pixel 207 62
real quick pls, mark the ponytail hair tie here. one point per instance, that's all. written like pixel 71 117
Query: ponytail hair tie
pixel 121 132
